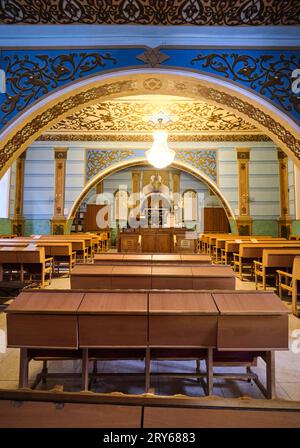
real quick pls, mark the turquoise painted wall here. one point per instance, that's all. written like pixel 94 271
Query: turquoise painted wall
pixel 296 227
pixel 37 227
pixel 5 226
pixel 265 227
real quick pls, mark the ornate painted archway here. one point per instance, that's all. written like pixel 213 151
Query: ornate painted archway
pixel 47 111
pixel 143 161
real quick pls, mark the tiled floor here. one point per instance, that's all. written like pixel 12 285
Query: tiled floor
pixel 287 370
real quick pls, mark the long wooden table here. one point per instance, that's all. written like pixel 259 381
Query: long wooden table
pixel 152 277
pixel 150 259
pixel 64 323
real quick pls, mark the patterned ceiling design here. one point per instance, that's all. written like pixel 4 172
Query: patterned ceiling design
pixel 151 12
pixel 134 116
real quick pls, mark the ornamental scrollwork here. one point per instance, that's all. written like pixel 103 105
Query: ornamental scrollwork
pixel 186 116
pixel 268 74
pixel 64 137
pixel 98 159
pixel 203 160
pixel 29 78
pixel 151 12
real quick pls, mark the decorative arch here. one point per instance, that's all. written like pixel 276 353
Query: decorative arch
pixel 143 161
pixel 47 111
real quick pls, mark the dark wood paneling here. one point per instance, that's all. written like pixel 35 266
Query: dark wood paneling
pixel 215 220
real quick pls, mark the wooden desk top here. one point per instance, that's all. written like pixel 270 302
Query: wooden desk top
pixel 182 302
pixel 137 257
pixel 212 271
pixel 131 271
pixel 195 258
pixel 172 271
pixel 46 302
pixel 166 257
pixel 109 257
pixel 114 303
pixel 251 303
pixel 90 269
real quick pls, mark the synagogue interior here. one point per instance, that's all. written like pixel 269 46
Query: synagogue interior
pixel 149 214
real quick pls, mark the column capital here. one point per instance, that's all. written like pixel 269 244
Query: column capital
pixel 281 154
pixel 60 153
pixel 243 153
pixel 23 155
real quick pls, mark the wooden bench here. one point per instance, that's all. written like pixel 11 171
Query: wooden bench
pixel 254 251
pixel 27 260
pixel 290 282
pixel 62 324
pixel 223 252
pixel 61 252
pixel 152 277
pixel 273 259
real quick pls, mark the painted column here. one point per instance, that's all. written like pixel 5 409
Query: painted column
pixel 136 188
pixel 176 197
pixel 18 220
pixel 284 220
pixel 297 191
pixel 99 187
pixel 244 220
pixel 58 222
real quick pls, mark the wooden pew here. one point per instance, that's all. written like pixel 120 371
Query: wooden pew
pixel 179 322
pixel 185 245
pixel 290 282
pixel 232 246
pixel 62 324
pixel 61 252
pixel 273 259
pixel 253 322
pixel 130 242
pixel 30 260
pixel 78 245
pixel 152 277
pixel 42 409
pixel 253 251
pixel 114 321
pixel 84 250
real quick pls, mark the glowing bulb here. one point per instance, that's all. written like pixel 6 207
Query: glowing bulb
pixel 160 155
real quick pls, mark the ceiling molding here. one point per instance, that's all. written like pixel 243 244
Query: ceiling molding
pixel 59 137
pixel 185 117
pixel 149 12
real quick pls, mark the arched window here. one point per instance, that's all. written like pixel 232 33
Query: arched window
pixel 121 205
pixel 190 205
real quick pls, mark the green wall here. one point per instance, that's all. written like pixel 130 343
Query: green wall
pixel 296 227
pixel 37 227
pixel 267 227
pixel 5 226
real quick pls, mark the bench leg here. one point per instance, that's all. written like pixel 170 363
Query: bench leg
pixel 85 369
pixel 270 370
pixel 147 369
pixel 23 370
pixel 209 370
